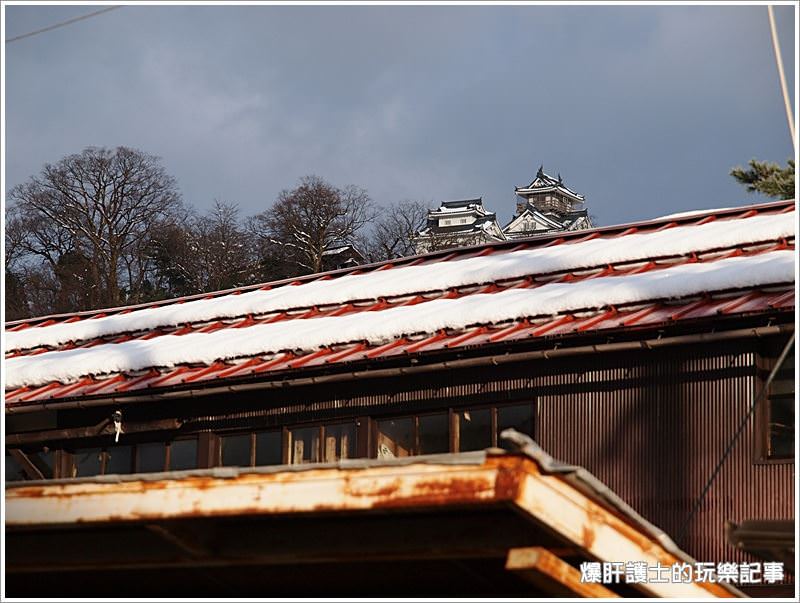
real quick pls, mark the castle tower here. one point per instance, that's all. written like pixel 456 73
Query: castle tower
pixel 546 205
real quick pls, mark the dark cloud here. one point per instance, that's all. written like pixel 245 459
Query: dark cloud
pixel 643 109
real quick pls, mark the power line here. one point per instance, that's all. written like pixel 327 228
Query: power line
pixel 62 24
pixel 782 76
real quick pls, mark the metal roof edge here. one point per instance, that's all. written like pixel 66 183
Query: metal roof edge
pixel 590 485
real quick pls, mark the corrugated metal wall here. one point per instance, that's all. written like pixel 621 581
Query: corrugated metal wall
pixel 656 441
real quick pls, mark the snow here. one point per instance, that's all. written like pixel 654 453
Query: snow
pixel 471 208
pixel 697 212
pixel 336 250
pixel 385 325
pixel 406 280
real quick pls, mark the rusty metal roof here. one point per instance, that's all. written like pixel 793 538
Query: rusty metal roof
pixel 574 505
pixel 640 316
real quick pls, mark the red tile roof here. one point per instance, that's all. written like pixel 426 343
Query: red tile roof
pixel 650 314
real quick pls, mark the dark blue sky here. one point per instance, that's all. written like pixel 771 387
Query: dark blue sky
pixel 642 109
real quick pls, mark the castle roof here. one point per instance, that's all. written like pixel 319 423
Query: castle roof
pixel 544 182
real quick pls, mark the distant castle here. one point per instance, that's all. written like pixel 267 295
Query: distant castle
pixel 546 205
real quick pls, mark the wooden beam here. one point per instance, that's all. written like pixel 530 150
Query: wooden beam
pixel 552 574
pixel 105 427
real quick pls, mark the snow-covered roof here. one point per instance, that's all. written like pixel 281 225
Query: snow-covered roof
pixel 464 206
pixel 533 214
pixel 544 183
pixel 607 278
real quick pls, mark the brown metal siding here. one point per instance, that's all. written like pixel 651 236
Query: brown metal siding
pixel 656 441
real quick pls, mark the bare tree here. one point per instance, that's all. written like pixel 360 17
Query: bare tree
pixel 313 218
pixel 220 250
pixel 101 207
pixel 16 301
pixel 394 231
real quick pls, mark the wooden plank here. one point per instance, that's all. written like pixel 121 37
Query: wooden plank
pixel 551 573
pixel 105 427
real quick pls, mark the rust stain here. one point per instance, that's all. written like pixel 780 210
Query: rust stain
pixel 439 492
pixel 384 491
pixel 507 483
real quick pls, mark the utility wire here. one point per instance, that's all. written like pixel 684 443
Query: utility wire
pixel 735 438
pixel 776 46
pixel 62 24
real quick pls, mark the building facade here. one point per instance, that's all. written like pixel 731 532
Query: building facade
pixel 635 351
pixel 458 224
pixel 547 205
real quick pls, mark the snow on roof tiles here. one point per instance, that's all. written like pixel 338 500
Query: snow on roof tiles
pixel 345 316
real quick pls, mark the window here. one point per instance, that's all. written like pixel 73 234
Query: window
pixel 517 416
pixel 245 449
pixel 396 437
pixel 86 462
pixel 433 433
pixel 339 442
pixel 777 407
pixel 474 429
pixel 183 454
pixel 150 457
pixel 119 460
pixel 408 436
pixel 269 448
pixel 235 450
pixel 147 457
pixel 304 445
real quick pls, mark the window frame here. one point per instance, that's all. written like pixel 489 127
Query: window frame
pixel 209 442
pixel 766 357
pixel 453 423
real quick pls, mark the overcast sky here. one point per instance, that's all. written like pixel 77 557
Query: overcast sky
pixel 642 109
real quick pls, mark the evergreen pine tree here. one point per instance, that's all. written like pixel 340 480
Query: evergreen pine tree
pixel 767 178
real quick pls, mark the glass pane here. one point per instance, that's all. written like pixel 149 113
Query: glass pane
pixel 119 459
pixel 340 442
pixel 781 427
pixel 783 383
pixel 269 448
pixel 151 457
pixel 87 462
pixel 519 417
pixel 304 445
pixel 183 455
pixel 434 434
pixel 475 429
pixel 14 472
pixel 395 438
pixel 236 450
